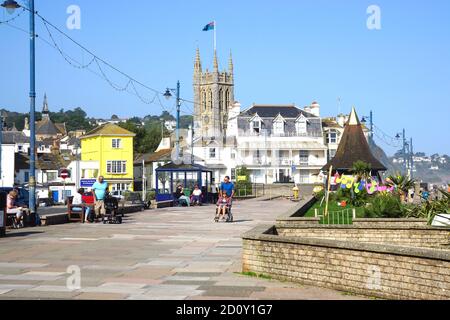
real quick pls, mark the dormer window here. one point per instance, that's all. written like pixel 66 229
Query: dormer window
pixel 301 125
pixel 279 125
pixel 256 124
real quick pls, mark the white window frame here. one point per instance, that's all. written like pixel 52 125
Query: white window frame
pixel 303 155
pixel 279 127
pixel 332 140
pixel 302 126
pixel 117 143
pixel 116 167
pixel 212 153
pixel 256 126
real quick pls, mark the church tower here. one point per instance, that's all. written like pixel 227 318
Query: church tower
pixel 45 111
pixel 213 97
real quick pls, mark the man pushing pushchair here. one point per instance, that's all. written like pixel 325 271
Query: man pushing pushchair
pixel 225 203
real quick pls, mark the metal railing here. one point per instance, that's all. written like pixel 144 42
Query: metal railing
pixel 257 190
pixel 345 216
pixel 271 134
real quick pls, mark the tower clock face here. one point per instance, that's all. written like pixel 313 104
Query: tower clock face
pixel 206 120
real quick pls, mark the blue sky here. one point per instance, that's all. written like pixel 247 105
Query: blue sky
pixel 284 52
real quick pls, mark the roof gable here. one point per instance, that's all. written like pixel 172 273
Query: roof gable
pixel 279 118
pixel 109 129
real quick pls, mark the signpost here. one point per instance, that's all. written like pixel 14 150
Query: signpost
pixel 64 174
pixel 87 183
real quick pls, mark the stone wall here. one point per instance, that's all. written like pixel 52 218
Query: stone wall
pixel 427 237
pixel 379 270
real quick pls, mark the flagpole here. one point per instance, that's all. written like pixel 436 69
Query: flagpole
pixel 215 35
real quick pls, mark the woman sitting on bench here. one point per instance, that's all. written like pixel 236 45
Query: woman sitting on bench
pixel 12 209
pixel 181 197
pixel 77 204
pixel 196 198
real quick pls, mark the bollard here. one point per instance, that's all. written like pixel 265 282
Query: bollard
pixel 296 191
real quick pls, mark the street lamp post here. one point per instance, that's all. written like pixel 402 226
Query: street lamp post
pixel 12 5
pixel 2 117
pixel 168 95
pixel 371 125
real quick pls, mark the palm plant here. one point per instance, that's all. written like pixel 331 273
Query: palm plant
pixel 361 169
pixel 401 183
pixel 429 209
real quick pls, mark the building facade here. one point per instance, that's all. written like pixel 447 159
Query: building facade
pixel 277 143
pixel 112 147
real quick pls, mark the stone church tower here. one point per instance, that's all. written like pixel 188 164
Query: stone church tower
pixel 213 97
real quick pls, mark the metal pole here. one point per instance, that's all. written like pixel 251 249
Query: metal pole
pixel 144 183
pixel 177 145
pixel 1 144
pixel 192 140
pixel 404 152
pixel 371 126
pixel 412 158
pixel 32 183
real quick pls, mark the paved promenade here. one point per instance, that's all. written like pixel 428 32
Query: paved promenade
pixel 174 253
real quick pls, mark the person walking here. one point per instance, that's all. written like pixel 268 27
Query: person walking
pixel 214 193
pixel 99 190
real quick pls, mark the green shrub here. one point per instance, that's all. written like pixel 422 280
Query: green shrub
pixel 384 206
pixel 355 199
pixel 151 195
pixel 319 195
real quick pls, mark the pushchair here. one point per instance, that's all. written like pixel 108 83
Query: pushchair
pixel 112 215
pixel 229 215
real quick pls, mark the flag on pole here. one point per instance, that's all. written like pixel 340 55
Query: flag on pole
pixel 210 26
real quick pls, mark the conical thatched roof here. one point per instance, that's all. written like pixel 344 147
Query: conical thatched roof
pixel 352 148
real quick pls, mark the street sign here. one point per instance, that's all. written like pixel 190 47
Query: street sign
pixel 87 183
pixel 64 173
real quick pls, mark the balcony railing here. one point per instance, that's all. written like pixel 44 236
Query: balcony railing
pixel 271 134
pixel 280 162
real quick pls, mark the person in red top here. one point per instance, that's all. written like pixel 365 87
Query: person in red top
pixel 223 206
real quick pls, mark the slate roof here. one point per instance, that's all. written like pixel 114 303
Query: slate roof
pixel 180 167
pixel 13 137
pixel 271 111
pixel 154 156
pixel 44 161
pixel 108 129
pixel 62 128
pixel 46 127
pixel 352 148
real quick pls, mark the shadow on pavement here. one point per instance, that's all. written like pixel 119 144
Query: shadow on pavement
pixel 22 234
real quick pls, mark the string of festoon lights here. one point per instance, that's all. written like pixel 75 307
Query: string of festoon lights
pixel 98 66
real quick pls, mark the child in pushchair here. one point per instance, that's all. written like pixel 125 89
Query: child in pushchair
pixel 112 210
pixel 223 208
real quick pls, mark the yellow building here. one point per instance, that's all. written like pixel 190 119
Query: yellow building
pixel 112 148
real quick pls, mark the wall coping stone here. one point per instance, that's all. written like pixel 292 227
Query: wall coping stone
pixel 268 233
pixel 350 226
pixel 389 220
